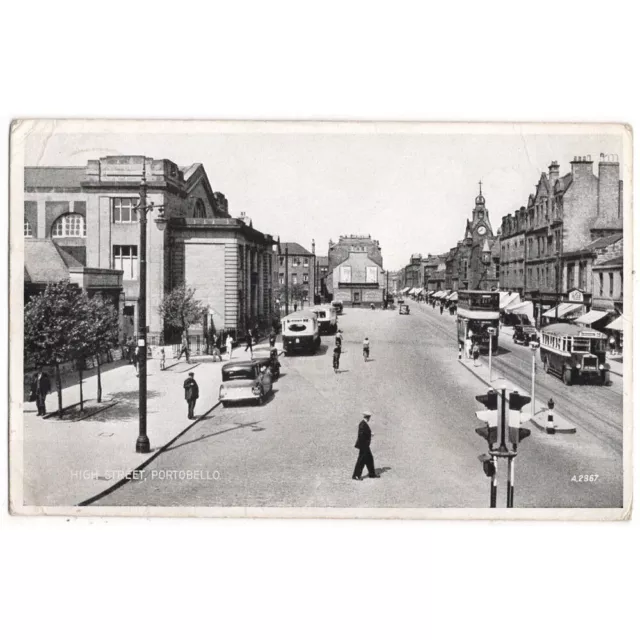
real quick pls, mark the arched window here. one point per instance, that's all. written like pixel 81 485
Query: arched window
pixel 28 232
pixel 199 210
pixel 69 225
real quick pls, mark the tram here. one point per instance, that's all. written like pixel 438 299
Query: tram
pixel 477 312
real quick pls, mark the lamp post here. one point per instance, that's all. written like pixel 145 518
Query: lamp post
pixel 142 443
pixel 533 344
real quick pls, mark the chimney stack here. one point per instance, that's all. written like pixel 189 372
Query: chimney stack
pixel 581 166
pixel 554 172
pixel 313 247
pixel 609 210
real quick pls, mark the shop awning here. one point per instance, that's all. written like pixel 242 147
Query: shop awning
pixel 405 290
pixel 616 325
pixel 564 309
pixel 439 294
pixel 453 297
pixel 522 309
pixel 508 298
pixel 591 317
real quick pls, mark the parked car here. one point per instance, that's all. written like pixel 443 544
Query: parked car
pixel 245 381
pixel 404 310
pixel 523 334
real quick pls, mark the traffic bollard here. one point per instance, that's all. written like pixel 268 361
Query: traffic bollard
pixel 550 424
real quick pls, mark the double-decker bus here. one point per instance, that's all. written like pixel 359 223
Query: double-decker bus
pixel 574 353
pixel 477 312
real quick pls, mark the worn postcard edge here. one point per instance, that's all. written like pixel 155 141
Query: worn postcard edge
pixel 20 129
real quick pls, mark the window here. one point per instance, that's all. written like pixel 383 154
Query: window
pixel 281 278
pixel 28 233
pixel 305 278
pixel 294 278
pixel 124 210
pixel 125 257
pixel 70 225
pixel 601 284
pixel 198 210
pixel 295 262
pixel 345 274
pixel 305 262
pixel 282 261
pixel 371 275
pixel 611 284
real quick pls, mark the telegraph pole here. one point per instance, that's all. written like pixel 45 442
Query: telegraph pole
pixel 286 281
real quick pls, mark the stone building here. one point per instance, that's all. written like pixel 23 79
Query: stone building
pixel 414 273
pixel 472 263
pixel 512 252
pixel 90 212
pixel 355 271
pixel 296 272
pixel 562 218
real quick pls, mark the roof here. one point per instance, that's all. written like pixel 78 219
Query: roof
pixel 323 261
pixel 60 177
pixel 44 261
pixel 187 172
pixel 568 329
pixel 604 242
pixel 614 262
pixel 562 184
pixel 294 249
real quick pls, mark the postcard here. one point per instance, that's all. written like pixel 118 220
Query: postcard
pixel 321 319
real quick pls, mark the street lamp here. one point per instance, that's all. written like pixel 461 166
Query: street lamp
pixel 142 443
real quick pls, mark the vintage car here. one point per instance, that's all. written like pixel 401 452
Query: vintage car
pixel 243 381
pixel 337 305
pixel 524 333
pixel 403 310
pixel 400 300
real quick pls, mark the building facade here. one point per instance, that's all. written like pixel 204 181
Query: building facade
pixel 474 263
pixel 547 247
pixel 296 273
pixel 91 213
pixel 356 271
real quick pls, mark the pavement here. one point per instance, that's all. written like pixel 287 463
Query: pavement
pixel 67 463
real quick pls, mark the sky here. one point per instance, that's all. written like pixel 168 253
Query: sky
pixel 411 189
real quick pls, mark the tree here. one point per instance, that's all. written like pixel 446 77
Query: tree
pixel 104 332
pixel 180 310
pixel 51 328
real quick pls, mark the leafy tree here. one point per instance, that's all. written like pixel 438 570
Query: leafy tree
pixel 180 310
pixel 51 328
pixel 103 317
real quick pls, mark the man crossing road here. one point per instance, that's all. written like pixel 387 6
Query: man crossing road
pixel 363 443
pixel 191 393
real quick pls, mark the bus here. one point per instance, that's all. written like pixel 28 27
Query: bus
pixel 574 353
pixel 300 333
pixel 477 312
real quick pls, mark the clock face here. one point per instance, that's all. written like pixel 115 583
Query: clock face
pixel 482 230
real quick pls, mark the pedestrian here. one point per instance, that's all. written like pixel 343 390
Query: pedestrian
pixel 191 393
pixel 216 353
pixel 339 339
pixel 476 355
pixel 184 348
pixel 229 345
pixel 249 346
pixel 336 359
pixel 365 349
pixel 134 359
pixel 295 307
pixel 468 345
pixel 441 308
pixel 272 338
pixel 163 360
pixel 363 444
pixel 40 387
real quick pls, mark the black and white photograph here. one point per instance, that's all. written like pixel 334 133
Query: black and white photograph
pixel 314 319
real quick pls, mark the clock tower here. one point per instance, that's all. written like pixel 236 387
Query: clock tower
pixel 480 225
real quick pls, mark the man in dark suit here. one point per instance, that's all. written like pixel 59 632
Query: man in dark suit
pixel 363 443
pixel 40 387
pixel 191 393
